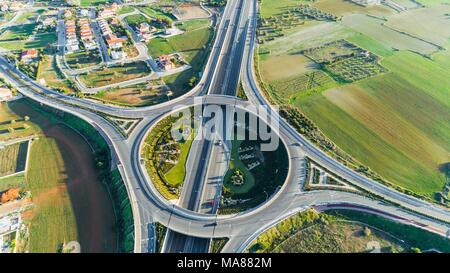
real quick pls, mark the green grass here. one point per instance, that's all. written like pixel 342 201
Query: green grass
pixel 41 40
pixel 115 74
pixel 55 220
pixel 194 24
pixel 369 148
pixel 136 19
pixel 82 59
pixel 86 3
pixel 14 181
pixel 157 13
pixel 125 10
pixel 236 163
pixel 193 45
pixel 413 236
pixel 270 7
pixel 175 176
pixel 15 32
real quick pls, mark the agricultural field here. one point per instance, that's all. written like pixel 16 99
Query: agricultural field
pixel 68 205
pixel 115 74
pixel 384 104
pixel 426 23
pixel 342 7
pixel 13 158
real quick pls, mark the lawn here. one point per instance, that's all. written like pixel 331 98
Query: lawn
pixel 175 176
pixel 21 127
pixel 115 74
pixel 157 13
pixel 125 10
pixel 193 24
pixel 86 3
pixel 136 19
pixel 41 40
pixel 17 32
pixel 83 59
pixel 236 163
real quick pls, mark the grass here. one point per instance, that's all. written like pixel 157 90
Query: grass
pixel 193 45
pixel 41 40
pixel 52 76
pixel 86 3
pixel 14 181
pixel 236 163
pixel 125 10
pixel 13 158
pixel 21 127
pixel 336 237
pixel 137 95
pixel 18 31
pixel 82 59
pixel 175 176
pixel 194 24
pixel 157 13
pixel 54 221
pixel 115 74
pixel 394 123
pixel 413 236
pixel 136 19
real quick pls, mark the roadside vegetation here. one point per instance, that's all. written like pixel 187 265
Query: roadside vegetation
pixel 115 74
pixel 253 175
pixel 344 231
pixel 165 158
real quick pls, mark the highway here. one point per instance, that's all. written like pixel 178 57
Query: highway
pixel 220 74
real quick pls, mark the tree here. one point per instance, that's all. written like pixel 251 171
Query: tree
pixel 415 250
pixel 367 231
pixel 26 118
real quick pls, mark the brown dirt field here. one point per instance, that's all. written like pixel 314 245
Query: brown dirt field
pixel 187 12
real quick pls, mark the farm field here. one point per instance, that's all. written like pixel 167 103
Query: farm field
pixel 342 7
pixel 425 23
pixel 13 158
pixel 68 204
pixel 115 74
pixel 374 28
pixel 393 119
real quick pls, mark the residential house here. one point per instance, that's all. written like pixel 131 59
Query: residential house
pixel 29 55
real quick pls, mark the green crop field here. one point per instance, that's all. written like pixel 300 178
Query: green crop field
pixel 390 115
